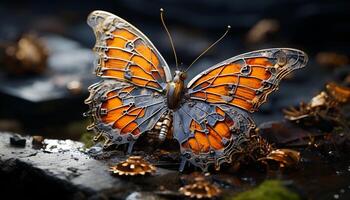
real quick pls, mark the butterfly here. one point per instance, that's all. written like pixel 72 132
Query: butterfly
pixel 210 116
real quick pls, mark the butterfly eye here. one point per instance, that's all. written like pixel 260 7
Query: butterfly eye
pixel 183 76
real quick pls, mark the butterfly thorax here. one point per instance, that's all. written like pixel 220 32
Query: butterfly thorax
pixel 175 89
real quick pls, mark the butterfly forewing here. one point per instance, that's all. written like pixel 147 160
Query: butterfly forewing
pixel 125 54
pixel 245 81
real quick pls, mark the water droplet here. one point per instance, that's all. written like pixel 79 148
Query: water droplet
pixel 336 196
pixel 246 178
pixel 338 172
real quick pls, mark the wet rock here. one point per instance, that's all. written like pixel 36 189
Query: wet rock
pixel 284 133
pixel 143 196
pixel 61 170
pixel 95 151
pixel 64 170
pixel 17 141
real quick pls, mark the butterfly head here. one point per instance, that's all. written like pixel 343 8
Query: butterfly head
pixel 179 76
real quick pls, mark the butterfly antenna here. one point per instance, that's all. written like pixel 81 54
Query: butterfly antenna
pixel 169 36
pixel 205 51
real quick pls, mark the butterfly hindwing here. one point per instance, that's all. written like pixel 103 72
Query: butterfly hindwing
pixel 246 80
pixel 208 134
pixel 122 111
pixel 124 53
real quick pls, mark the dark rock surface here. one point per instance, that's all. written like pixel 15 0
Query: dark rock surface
pixel 48 94
pixel 17 141
pixel 62 170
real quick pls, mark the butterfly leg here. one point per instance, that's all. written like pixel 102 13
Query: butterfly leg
pixel 182 164
pixel 130 147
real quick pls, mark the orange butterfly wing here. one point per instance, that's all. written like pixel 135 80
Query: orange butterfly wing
pixel 125 54
pixel 208 133
pixel 214 121
pixel 121 112
pixel 129 99
pixel 246 80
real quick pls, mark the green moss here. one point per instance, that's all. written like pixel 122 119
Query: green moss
pixel 339 130
pixel 76 127
pixel 87 139
pixel 268 190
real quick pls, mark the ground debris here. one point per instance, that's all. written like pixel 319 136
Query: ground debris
pixel 17 141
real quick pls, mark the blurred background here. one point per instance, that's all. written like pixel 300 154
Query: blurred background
pixel 46 62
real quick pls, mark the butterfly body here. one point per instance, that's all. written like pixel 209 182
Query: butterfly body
pixel 175 89
pixel 210 116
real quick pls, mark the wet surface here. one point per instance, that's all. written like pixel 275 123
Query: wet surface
pixel 73 174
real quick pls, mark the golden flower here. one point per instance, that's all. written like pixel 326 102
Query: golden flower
pixel 134 165
pixel 284 157
pixel 339 93
pixel 199 189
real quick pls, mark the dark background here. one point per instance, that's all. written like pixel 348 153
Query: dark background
pixel 312 26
